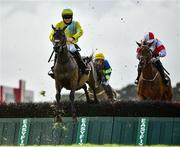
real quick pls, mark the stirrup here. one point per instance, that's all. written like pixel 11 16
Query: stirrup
pixel 51 74
pixel 166 81
pixel 136 82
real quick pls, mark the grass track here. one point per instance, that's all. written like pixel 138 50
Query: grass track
pixel 96 145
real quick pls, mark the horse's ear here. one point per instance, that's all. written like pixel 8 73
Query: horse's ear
pixel 64 28
pixel 139 44
pixel 53 27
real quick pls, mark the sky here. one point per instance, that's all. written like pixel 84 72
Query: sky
pixel 110 26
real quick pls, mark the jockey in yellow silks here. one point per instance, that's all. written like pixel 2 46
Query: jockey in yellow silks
pixel 73 32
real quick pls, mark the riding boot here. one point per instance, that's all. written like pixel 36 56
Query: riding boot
pixel 159 66
pixel 108 91
pixel 81 63
pixel 51 72
pixel 138 76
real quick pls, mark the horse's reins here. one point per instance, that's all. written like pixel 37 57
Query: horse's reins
pixel 150 79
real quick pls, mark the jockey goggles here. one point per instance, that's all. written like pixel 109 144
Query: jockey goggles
pixel 67 17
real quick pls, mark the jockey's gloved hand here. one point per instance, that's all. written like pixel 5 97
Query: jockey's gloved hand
pixel 70 39
pixel 103 80
pixel 154 59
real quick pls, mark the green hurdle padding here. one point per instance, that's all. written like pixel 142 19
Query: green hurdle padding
pixel 100 130
pixel 96 130
pixel 124 130
pixel 160 131
pixel 9 131
pixel 176 131
pixel 1 132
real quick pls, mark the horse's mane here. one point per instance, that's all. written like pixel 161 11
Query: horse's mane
pixel 88 59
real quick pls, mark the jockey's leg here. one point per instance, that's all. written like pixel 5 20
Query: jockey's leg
pixel 73 50
pixel 139 73
pixel 159 66
pixel 51 72
pixel 80 62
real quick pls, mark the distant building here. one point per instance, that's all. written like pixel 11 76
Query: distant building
pixel 16 95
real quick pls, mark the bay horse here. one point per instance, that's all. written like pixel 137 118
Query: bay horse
pixel 101 94
pixel 150 84
pixel 66 71
pixel 99 89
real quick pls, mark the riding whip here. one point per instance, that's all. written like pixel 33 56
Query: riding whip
pixel 166 71
pixel 51 56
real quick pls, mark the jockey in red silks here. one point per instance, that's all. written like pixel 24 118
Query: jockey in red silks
pixel 158 50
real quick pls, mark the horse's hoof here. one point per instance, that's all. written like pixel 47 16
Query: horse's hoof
pixel 112 101
pixel 96 102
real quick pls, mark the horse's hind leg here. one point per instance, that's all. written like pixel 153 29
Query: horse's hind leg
pixel 73 110
pixel 95 96
pixel 94 92
pixel 86 93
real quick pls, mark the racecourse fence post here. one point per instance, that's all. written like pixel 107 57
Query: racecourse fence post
pixel 142 131
pixel 23 132
pixel 82 131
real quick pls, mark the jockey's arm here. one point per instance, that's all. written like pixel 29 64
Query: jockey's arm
pixel 79 32
pixel 162 53
pixel 51 36
pixel 107 71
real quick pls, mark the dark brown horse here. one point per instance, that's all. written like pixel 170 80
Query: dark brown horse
pixel 150 84
pixel 66 71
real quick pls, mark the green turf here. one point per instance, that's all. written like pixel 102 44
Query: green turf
pixel 95 145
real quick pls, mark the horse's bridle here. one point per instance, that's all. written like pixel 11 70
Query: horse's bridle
pixel 59 41
pixel 143 61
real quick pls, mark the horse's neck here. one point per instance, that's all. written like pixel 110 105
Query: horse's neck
pixel 148 71
pixel 64 56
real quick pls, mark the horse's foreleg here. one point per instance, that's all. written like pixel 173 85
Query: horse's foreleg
pixel 58 109
pixel 58 97
pixel 73 110
pixel 58 94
